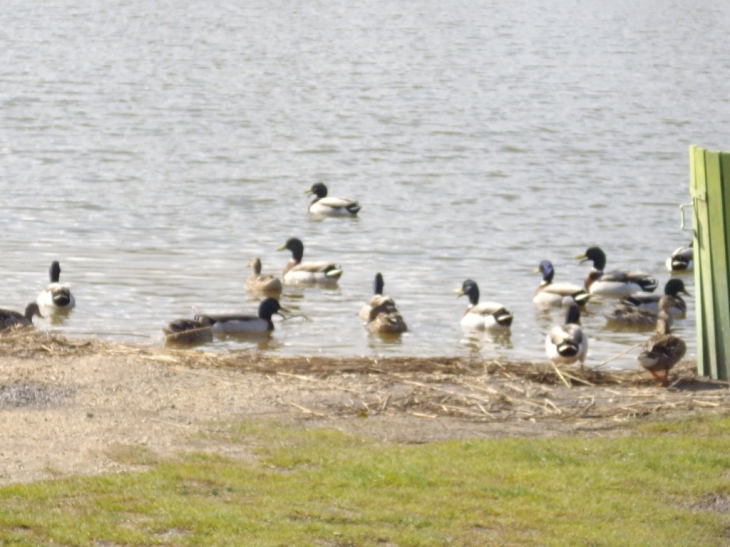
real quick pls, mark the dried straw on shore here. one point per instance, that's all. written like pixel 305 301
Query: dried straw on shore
pixel 468 389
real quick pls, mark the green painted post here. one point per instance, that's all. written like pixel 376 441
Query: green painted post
pixel 710 190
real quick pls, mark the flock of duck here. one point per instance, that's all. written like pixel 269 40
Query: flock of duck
pixel 564 344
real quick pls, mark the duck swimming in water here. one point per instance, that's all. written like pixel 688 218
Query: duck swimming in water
pixel 487 315
pixel 244 323
pixel 310 273
pixel 681 260
pixel 676 306
pixel 380 314
pixel 188 332
pixel 330 206
pixel 258 283
pixel 557 294
pixel 11 319
pixel 377 300
pixel 615 283
pixel 56 296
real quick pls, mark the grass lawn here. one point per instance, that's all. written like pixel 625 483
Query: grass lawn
pixel 664 484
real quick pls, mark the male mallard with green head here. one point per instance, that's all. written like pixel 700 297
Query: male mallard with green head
pixel 56 296
pixel 615 283
pixel 557 294
pixel 487 315
pixel 329 206
pixel 296 271
pixel 566 343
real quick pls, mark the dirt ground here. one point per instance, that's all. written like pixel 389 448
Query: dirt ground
pixel 77 407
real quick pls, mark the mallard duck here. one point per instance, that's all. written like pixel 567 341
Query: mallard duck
pixel 615 283
pixel 259 283
pixel 385 319
pixel 488 315
pixel 297 271
pixel 10 319
pixel 377 300
pixel 663 350
pixel 243 323
pixel 677 307
pixel 632 316
pixel 188 332
pixel 566 344
pixel 323 205
pixel 681 260
pixel 557 294
pixel 55 297
pixel 380 314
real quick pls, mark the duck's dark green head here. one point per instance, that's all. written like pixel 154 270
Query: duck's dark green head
pixel 547 271
pixel 269 307
pixel 378 284
pixel 471 289
pixel 596 255
pixel 319 190
pixel 296 247
pixel 54 272
pixel 572 316
pixel 675 286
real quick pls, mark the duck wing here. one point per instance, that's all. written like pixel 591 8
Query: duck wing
pixel 662 352
pixel 643 280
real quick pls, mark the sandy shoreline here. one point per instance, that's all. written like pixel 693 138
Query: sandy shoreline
pixel 86 407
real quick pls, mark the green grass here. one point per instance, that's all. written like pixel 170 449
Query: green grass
pixel 330 489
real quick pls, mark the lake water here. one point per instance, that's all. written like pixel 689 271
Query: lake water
pixel 153 147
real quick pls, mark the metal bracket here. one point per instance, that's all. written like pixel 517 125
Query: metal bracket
pixel 682 217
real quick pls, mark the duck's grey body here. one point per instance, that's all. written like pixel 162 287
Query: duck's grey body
pixel 244 323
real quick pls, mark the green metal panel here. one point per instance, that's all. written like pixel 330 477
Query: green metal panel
pixel 706 361
pixel 718 250
pixel 695 153
pixel 710 189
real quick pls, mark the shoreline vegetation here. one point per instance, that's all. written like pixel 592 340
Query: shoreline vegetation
pixel 178 447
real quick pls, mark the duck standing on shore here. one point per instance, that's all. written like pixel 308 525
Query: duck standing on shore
pixel 663 350
pixel 566 344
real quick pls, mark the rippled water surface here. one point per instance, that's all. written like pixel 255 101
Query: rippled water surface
pixel 153 147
